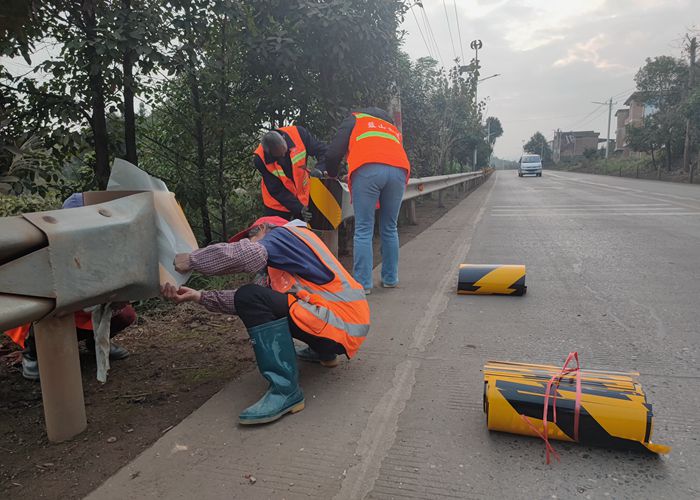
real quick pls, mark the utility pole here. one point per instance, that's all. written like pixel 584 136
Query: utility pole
pixel 688 123
pixel 488 139
pixel 476 45
pixel 607 142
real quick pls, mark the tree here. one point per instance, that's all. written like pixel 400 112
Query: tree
pixel 691 110
pixel 494 129
pixel 660 85
pixel 442 123
pixel 141 30
pixel 538 145
pixel 213 75
pixel 660 82
pixel 646 139
pixel 100 44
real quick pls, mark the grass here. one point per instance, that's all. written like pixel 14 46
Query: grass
pixel 641 168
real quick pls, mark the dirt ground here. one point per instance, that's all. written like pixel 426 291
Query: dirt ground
pixel 180 357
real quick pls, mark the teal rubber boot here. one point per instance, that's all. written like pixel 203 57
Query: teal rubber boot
pixel 274 352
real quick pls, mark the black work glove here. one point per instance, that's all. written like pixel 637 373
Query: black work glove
pixel 305 215
pixel 319 174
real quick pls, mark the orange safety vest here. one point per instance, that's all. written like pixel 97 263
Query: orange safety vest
pixel 19 334
pixel 374 140
pixel 299 184
pixel 337 310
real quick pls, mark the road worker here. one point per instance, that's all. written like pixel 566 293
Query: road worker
pixel 307 295
pixel 378 170
pixel 281 159
pixel 123 315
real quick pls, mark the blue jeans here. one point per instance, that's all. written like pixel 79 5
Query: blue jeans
pixel 371 183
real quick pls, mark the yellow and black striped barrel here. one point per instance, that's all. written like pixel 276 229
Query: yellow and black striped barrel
pixel 325 204
pixel 475 279
pixel 614 412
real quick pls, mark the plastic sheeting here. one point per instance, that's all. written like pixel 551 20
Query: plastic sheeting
pixel 101 322
pixel 174 232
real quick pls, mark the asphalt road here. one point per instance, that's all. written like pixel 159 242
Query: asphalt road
pixel 613 273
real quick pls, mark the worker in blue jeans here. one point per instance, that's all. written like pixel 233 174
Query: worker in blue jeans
pixel 378 170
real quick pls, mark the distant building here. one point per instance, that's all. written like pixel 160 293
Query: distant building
pixel 571 145
pixel 622 117
pixel 634 115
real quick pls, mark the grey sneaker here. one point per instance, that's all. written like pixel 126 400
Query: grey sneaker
pixel 368 291
pixel 30 368
pixel 116 351
pixel 387 285
pixel 308 354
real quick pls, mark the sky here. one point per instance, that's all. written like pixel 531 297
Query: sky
pixel 554 57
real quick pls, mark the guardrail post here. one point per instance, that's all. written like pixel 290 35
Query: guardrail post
pixel 330 238
pixel 61 382
pixel 411 211
pixel 440 196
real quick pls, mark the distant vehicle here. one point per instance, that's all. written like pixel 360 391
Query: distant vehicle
pixel 530 165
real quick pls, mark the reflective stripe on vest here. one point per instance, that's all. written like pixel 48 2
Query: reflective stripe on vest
pixel 337 310
pixel 352 329
pixel 299 184
pixel 377 134
pixel 299 157
pixel 374 140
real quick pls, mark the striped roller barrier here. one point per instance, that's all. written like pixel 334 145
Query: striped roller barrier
pixel 612 408
pixel 325 204
pixel 475 279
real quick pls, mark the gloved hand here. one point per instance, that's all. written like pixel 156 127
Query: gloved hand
pixel 319 174
pixel 305 215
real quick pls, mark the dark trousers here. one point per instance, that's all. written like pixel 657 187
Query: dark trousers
pixel 257 305
pixel 120 320
pixel 284 215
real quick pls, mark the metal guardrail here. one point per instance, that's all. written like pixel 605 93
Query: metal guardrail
pixel 419 186
pixel 336 205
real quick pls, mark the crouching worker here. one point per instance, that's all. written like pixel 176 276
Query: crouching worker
pixel 307 295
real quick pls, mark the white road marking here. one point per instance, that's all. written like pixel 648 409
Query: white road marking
pixel 380 432
pixel 589 214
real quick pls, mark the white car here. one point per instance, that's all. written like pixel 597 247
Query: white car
pixel 530 165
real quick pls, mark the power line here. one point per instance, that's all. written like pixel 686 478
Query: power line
pixel 432 35
pixel 578 122
pixel 421 32
pixel 428 34
pixel 459 31
pixel 449 29
pixel 600 113
pixel 624 92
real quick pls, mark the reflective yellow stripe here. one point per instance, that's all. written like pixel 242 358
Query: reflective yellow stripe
pixel 278 173
pixel 299 156
pixel 364 115
pixel 383 135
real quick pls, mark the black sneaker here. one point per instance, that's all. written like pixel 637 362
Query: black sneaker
pixel 117 352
